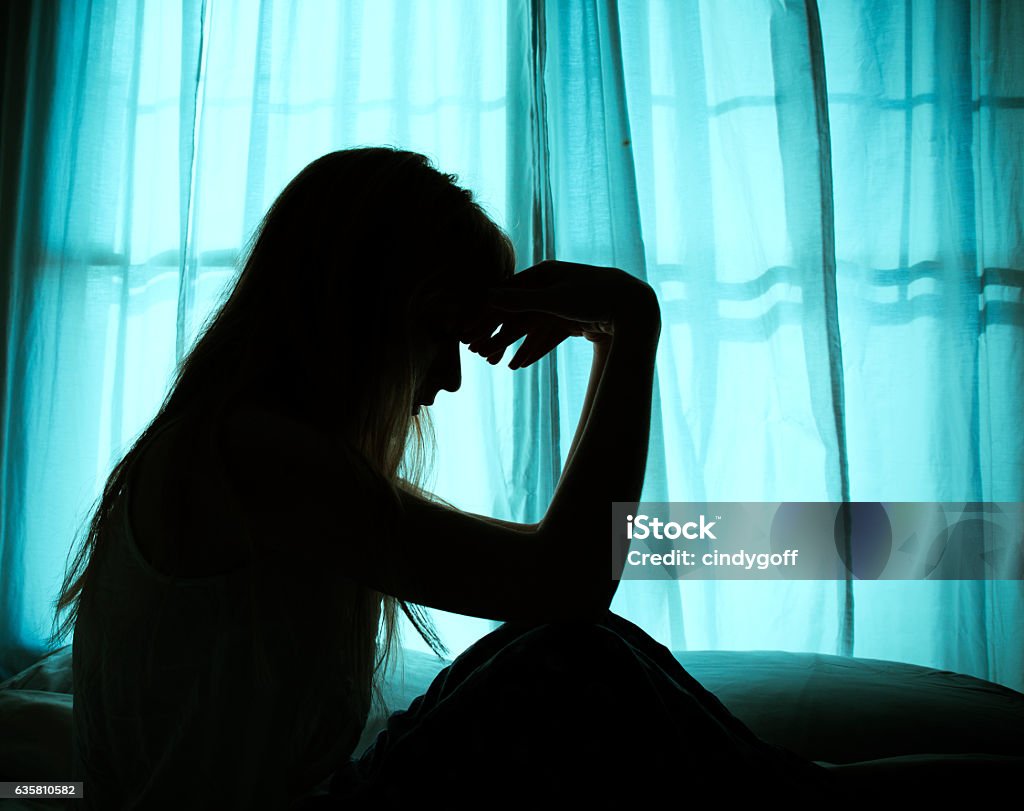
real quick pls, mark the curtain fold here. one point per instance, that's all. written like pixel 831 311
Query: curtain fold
pixel 194 31
pixel 827 202
pixel 535 462
pixel 801 106
pixel 29 52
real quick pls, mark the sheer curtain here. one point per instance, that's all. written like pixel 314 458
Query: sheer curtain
pixel 827 201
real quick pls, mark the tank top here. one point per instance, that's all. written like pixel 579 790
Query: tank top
pixel 175 706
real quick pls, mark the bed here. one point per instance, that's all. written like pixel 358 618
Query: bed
pixel 888 724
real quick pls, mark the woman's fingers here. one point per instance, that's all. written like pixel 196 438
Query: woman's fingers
pixel 545 304
pixel 481 327
pixel 536 346
pixel 542 333
pixel 495 346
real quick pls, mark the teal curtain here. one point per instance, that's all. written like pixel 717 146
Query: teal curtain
pixel 827 201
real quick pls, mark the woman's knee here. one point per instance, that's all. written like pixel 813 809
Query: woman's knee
pixel 551 649
pixel 568 647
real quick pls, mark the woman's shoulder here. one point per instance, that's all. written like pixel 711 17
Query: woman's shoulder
pixel 283 450
pixel 178 509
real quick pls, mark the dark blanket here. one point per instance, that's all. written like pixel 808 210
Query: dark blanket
pixel 581 712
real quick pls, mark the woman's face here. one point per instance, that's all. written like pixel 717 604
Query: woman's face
pixel 437 322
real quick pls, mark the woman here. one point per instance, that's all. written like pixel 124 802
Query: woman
pixel 269 523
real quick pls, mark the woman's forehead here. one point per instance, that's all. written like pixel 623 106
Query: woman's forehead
pixel 450 300
pixel 458 287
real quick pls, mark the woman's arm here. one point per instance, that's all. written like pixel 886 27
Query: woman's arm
pixel 609 457
pixel 596 370
pixel 303 495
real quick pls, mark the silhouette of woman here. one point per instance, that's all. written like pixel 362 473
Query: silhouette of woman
pixel 236 597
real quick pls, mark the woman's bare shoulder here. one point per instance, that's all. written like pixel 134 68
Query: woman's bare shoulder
pixel 258 437
pixel 284 468
pixel 179 516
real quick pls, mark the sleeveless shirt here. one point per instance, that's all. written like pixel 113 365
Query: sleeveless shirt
pixel 179 704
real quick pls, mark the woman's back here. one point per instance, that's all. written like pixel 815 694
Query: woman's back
pixel 175 699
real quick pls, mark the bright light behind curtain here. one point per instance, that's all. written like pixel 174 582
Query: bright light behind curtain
pixel 830 215
pixel 842 284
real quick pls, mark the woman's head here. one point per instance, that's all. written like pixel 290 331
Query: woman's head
pixel 365 258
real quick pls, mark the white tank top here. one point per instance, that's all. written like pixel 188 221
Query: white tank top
pixel 172 707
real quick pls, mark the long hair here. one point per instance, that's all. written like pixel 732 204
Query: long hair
pixel 316 323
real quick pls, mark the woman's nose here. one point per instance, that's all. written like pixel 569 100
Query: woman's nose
pixel 448 368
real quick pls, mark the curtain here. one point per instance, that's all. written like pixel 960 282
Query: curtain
pixel 826 200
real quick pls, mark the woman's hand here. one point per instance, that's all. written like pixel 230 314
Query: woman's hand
pixel 543 333
pixel 553 300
